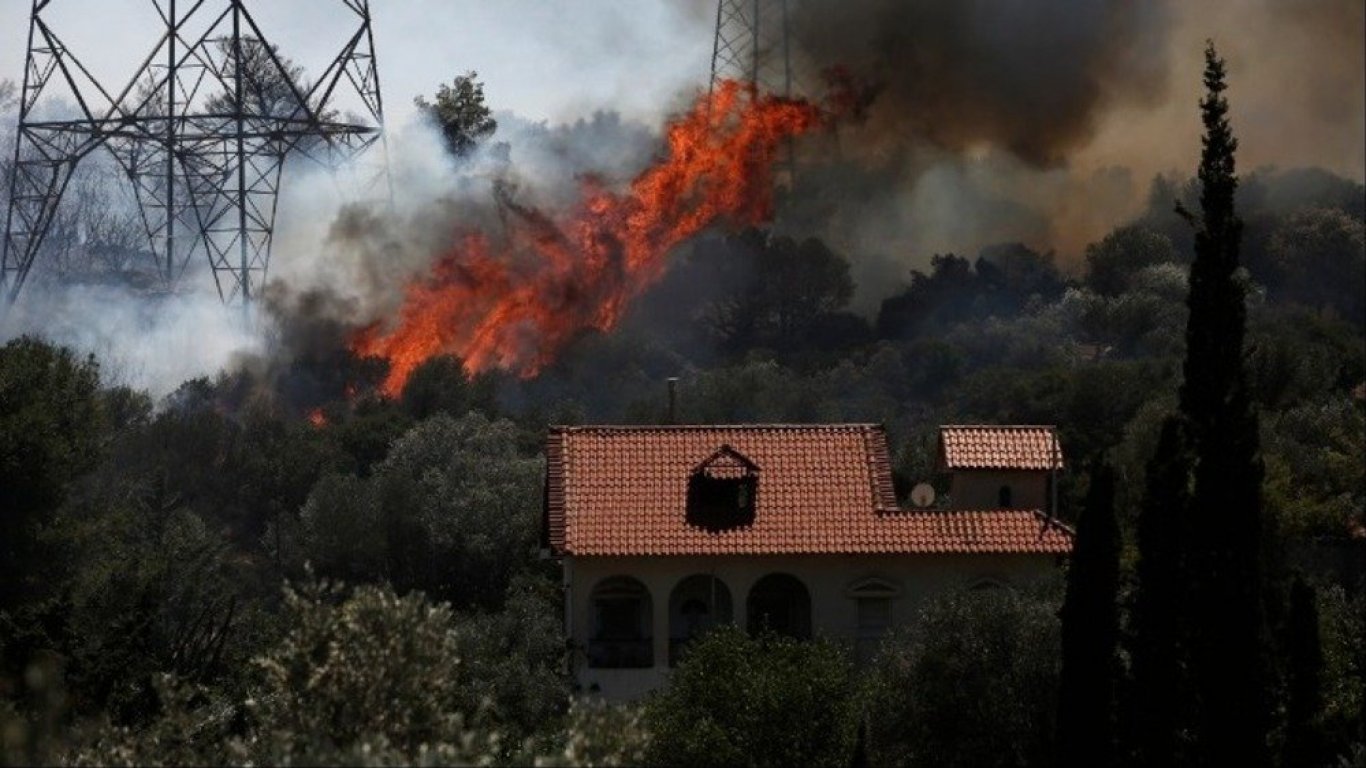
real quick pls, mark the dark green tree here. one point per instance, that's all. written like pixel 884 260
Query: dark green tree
pixel 441 385
pixel 460 113
pixel 1227 550
pixel 780 293
pixel 49 433
pixel 272 84
pixel 1158 702
pixel 438 385
pixel 973 685
pixel 765 701
pixel 1304 683
pixel 1090 632
pixel 450 511
pixel 1112 262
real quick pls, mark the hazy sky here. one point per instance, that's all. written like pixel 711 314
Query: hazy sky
pixel 558 60
pixel 1297 73
pixel 541 59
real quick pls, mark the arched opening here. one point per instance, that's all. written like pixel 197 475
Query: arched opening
pixel 986 584
pixel 622 623
pixel 697 604
pixel 780 603
pixel 1004 497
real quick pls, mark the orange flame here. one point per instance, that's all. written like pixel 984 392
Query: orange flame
pixel 494 308
pixel 317 418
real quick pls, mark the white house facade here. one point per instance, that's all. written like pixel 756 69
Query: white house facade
pixel 665 531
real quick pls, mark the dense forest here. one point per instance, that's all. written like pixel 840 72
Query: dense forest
pixel 281 564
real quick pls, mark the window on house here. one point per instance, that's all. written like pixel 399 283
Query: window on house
pixel 874 615
pixel 722 491
pixel 873 598
pixel 622 625
pixel 1003 497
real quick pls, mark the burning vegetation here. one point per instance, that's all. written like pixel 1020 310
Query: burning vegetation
pixel 512 301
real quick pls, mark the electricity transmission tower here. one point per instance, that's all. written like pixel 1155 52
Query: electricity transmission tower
pixel 752 45
pixel 201 130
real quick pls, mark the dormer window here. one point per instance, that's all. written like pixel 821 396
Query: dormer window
pixel 722 491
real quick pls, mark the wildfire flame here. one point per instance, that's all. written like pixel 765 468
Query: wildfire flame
pixel 494 307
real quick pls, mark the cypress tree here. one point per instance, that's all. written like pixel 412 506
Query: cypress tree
pixel 1159 703
pixel 1227 638
pixel 1090 632
pixel 1304 700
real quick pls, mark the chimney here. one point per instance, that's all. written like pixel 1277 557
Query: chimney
pixel 673 400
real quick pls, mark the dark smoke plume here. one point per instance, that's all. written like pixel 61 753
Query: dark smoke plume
pixel 1032 77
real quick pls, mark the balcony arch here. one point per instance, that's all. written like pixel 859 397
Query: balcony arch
pixel 697 603
pixel 781 603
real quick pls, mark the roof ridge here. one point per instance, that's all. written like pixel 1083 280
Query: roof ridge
pixel 855 425
pixel 998 426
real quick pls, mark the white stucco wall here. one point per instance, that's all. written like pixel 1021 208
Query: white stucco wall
pixel 834 613
pixel 980 489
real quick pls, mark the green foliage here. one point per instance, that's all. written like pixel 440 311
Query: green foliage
pixel 1304 680
pixel 1004 280
pixel 778 293
pixel 765 701
pixel 1090 631
pixel 1225 557
pixel 450 511
pixel 460 113
pixel 366 678
pixel 438 385
pixel 1342 631
pixel 758 391
pixel 268 89
pixel 153 592
pixel 1113 263
pixel 598 733
pixel 50 431
pixel 371 425
pixel 1159 705
pixel 1297 357
pixel 1319 260
pixel 974 685
pixel 1314 483
pixel 373 673
pixel 1146 320
pixel 514 665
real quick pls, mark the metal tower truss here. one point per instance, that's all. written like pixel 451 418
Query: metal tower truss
pixel 201 130
pixel 752 45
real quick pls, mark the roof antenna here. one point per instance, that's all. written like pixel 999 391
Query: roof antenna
pixel 673 400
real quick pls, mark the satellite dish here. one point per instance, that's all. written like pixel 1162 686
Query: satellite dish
pixel 922 495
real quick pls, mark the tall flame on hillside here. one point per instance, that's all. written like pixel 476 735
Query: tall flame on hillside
pixel 514 302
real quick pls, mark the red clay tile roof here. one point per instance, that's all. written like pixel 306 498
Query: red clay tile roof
pixel 999 447
pixel 821 489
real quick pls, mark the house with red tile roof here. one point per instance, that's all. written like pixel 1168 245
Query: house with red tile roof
pixel 666 531
pixel 1001 466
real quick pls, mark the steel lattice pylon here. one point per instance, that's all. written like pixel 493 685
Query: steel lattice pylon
pixel 201 130
pixel 752 45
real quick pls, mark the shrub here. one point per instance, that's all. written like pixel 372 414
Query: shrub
pixel 770 700
pixel 973 683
